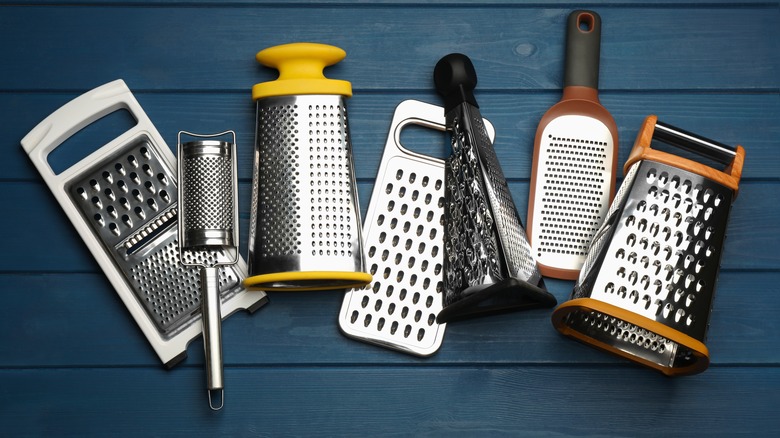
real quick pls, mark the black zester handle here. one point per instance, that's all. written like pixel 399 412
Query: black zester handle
pixel 583 50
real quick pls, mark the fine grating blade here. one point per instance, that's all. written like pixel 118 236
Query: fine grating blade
pixel 572 191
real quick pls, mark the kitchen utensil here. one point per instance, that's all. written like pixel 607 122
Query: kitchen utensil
pixel 574 160
pixel 488 263
pixel 208 232
pixel 122 199
pixel 647 286
pixel 305 231
pixel 404 232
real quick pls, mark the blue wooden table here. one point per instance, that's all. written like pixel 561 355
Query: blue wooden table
pixel 73 362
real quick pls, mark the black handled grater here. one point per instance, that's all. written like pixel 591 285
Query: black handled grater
pixel 488 263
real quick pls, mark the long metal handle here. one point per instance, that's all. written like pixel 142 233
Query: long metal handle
pixel 212 334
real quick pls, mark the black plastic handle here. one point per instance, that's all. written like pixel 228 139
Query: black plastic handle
pixel 455 79
pixel 583 49
pixel 697 144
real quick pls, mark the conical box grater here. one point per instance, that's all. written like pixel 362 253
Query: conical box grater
pixel 488 263
pixel 305 232
pixel 647 286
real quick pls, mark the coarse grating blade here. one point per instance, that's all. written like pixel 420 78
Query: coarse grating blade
pixel 123 201
pixel 647 286
pixel 404 236
pixel 575 159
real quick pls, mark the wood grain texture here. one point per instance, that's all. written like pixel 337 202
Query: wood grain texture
pixel 405 401
pixel 73 362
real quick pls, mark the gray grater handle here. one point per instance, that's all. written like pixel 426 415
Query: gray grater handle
pixel 212 335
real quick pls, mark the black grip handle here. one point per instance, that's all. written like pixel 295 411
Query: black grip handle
pixel 583 49
pixel 455 79
pixel 697 144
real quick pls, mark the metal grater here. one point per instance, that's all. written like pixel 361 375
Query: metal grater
pixel 488 266
pixel 648 283
pixel 404 243
pixel 575 159
pixel 122 199
pixel 305 232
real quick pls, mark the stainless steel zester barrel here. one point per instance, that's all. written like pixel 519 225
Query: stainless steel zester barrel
pixel 305 231
pixel 647 286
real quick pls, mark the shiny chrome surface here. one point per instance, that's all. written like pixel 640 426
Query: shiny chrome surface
pixel 305 213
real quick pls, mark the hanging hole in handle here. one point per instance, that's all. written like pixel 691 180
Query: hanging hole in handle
pixel 585 22
pixel 424 139
pixel 89 139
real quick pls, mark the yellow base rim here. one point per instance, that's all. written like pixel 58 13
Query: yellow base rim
pixel 588 304
pixel 308 281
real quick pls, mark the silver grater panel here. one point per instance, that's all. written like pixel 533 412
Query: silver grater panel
pixel 572 191
pixel 663 258
pixel 404 245
pixel 306 216
pixel 484 233
pixel 130 201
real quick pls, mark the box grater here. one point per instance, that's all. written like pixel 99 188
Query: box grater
pixel 122 200
pixel 574 160
pixel 488 263
pixel 647 287
pixel 305 231
pixel 404 232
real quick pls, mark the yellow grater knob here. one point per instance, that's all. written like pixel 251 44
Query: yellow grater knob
pixel 301 68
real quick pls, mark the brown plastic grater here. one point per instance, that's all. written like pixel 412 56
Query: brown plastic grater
pixel 404 239
pixel 122 200
pixel 647 286
pixel 574 160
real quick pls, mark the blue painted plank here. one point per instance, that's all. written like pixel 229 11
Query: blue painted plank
pixel 72 320
pixel 417 401
pixel 747 119
pixel 205 48
pixel 42 231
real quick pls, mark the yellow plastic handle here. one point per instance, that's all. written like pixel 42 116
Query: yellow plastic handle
pixel 301 68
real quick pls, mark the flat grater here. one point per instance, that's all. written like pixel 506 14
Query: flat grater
pixel 122 199
pixel 488 263
pixel 574 159
pixel 208 233
pixel 305 231
pixel 404 232
pixel 647 287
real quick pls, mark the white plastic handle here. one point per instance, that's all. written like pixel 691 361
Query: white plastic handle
pixel 77 114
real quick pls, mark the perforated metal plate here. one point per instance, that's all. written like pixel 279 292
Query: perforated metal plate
pixel 306 215
pixel 572 191
pixel 130 202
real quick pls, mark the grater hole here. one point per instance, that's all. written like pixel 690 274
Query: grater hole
pixel 399 175
pixel 150 187
pixel 393 223
pixel 377 305
pixel 415 195
pixel 401 194
pixel 402 294
pixel 380 324
pixel 393 327
pixel 389 290
pixel 367 320
pixel 425 181
pixel 391 308
pixel 407 330
pixel 424 265
pixel 162 178
pixel 389 188
pixel 380 220
pixel 114 229
pixel 420 334
pixel 97 202
pixel 431 319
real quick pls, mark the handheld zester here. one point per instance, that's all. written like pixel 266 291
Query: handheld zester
pixel 208 232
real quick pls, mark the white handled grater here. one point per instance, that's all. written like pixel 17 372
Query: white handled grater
pixel 122 200
pixel 404 236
